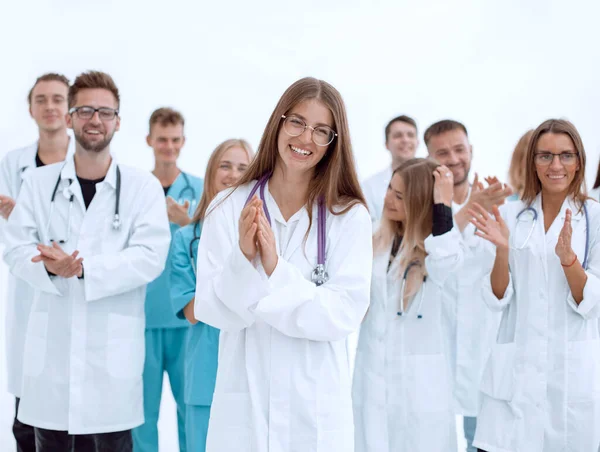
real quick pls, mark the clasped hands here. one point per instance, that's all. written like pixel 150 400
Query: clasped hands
pixel 256 235
pixel 58 262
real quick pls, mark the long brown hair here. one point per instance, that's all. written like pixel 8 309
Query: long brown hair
pixel 533 185
pixel 418 180
pixel 335 177
pixel 210 190
pixel 516 172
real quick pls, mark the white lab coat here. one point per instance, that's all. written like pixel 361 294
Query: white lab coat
pixel 470 326
pixel 402 390
pixel 84 348
pixel 15 166
pixel 541 385
pixel 375 188
pixel 283 383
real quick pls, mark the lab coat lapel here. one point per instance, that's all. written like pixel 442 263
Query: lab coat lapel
pixel 68 174
pixel 26 160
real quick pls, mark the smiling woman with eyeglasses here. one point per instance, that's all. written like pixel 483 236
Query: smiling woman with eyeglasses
pixel 284 265
pixel 541 387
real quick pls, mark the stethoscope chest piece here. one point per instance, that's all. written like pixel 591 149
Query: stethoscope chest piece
pixel 116 223
pixel 319 275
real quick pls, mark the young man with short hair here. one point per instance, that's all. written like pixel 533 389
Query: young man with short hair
pixel 88 235
pixel 401 140
pixel 47 101
pixel 165 333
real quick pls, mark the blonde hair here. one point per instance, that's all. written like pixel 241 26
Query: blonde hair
pixel 418 180
pixel 335 177
pixel 516 172
pixel 210 189
pixel 533 186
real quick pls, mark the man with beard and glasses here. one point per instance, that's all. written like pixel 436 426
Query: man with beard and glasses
pixel 470 327
pixel 88 235
pixel 402 140
pixel 47 101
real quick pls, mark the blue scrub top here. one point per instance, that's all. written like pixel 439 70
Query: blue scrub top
pixel 202 345
pixel 159 313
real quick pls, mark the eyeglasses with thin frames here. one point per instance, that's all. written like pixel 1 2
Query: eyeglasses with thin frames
pixel 546 158
pixel 320 135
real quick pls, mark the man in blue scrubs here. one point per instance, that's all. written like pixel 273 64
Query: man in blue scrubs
pixel 165 333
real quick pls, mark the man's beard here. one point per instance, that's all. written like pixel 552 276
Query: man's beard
pixel 98 146
pixel 464 179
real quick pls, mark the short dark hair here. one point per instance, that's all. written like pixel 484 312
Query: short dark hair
pixel 166 116
pixel 401 118
pixel 93 80
pixel 49 77
pixel 443 126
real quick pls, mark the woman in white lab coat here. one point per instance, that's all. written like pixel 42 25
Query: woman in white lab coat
pixel 402 391
pixel 284 273
pixel 541 386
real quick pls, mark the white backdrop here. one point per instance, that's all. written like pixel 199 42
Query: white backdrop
pixel 499 67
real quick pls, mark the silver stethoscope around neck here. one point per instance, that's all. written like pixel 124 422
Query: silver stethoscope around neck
pixel 401 312
pixel 68 193
pixel 532 215
pixel 319 275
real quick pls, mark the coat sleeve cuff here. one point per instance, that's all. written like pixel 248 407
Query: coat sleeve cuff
pixel 249 287
pixel 490 299
pixel 445 245
pixel 589 306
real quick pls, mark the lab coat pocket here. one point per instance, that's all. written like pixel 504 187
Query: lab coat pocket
pixel 230 426
pixel 125 346
pixel 583 371
pixel 498 379
pixel 428 383
pixel 35 344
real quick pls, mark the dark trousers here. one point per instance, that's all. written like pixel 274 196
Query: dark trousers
pixel 24 434
pixel 58 441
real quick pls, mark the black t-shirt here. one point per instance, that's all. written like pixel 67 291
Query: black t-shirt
pixel 88 189
pixel 166 189
pixel 38 160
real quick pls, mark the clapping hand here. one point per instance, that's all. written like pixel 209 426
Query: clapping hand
pixel 58 262
pixel 563 247
pixel 492 228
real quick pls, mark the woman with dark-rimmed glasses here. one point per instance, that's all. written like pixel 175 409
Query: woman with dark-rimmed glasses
pixel 541 386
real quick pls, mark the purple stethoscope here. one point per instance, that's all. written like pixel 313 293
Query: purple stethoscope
pixel 319 275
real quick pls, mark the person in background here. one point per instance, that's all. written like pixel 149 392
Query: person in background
pixel 284 269
pixel 471 327
pixel 47 101
pixel 541 386
pixel 226 165
pixel 402 389
pixel 88 234
pixel 595 191
pixel 402 140
pixel 516 172
pixel 165 333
